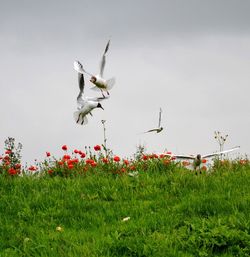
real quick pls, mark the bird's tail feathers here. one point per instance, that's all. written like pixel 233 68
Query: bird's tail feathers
pixel 110 83
pixel 79 118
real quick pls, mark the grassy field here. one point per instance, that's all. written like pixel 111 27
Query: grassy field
pixel 168 211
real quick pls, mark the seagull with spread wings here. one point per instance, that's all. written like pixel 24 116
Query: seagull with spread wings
pixel 85 104
pixel 160 128
pixel 98 80
pixel 197 160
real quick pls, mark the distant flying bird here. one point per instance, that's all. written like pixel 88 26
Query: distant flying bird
pixel 85 104
pixel 98 80
pixel 159 129
pixel 198 159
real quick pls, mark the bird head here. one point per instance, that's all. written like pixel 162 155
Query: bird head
pixel 93 79
pixel 99 106
pixel 198 157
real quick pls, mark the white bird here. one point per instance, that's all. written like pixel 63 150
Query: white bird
pixel 85 104
pixel 198 158
pixel 160 128
pixel 98 80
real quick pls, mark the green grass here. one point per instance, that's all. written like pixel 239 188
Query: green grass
pixel 172 211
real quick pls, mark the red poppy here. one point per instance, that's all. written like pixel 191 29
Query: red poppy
pixel 48 154
pixel 117 159
pixel 32 168
pixel 6 158
pixel 61 162
pixel 173 158
pixel 97 147
pixel 144 157
pixel 76 151
pixel 8 152
pixel 132 167
pixel 66 157
pixel 166 161
pixel 12 171
pixel 50 171
pixel 89 161
pixel 83 155
pixel 93 164
pixel 105 160
pixel 65 148
pixel 70 166
pixel 18 166
pixel 126 162
pixel 169 152
pixel 203 160
pixel 123 170
pixel 204 168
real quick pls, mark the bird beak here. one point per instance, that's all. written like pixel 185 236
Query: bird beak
pixel 102 107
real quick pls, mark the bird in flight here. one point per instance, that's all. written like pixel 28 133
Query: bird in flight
pixel 85 104
pixel 98 80
pixel 197 160
pixel 160 128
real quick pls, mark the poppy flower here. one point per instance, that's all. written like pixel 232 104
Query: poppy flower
pixel 203 160
pixel 66 157
pixel 89 161
pixel 123 170
pixel 48 154
pixel 144 157
pixel 83 155
pixel 8 152
pixel 12 171
pixel 18 166
pixel 126 162
pixel 65 148
pixel 97 147
pixel 70 166
pixel 50 172
pixel 61 162
pixel 105 160
pixel 76 151
pixel 204 168
pixel 116 159
pixel 93 164
pixel 32 168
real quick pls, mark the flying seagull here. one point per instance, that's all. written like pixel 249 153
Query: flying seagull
pixel 85 104
pixel 159 129
pixel 98 80
pixel 198 159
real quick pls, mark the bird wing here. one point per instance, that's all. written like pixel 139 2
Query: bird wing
pixel 180 156
pixel 79 68
pixel 222 152
pixel 103 60
pixel 159 124
pixel 96 99
pixel 151 130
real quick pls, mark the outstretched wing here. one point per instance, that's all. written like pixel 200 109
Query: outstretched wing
pixel 180 156
pixel 159 124
pixel 79 68
pixel 96 99
pixel 151 130
pixel 103 60
pixel 219 153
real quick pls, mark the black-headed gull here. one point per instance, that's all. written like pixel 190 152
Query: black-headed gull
pixel 85 104
pixel 98 80
pixel 197 160
pixel 160 128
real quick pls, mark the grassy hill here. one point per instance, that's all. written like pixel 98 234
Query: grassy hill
pixel 166 210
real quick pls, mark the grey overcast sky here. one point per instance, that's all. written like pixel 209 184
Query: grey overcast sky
pixel 189 57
